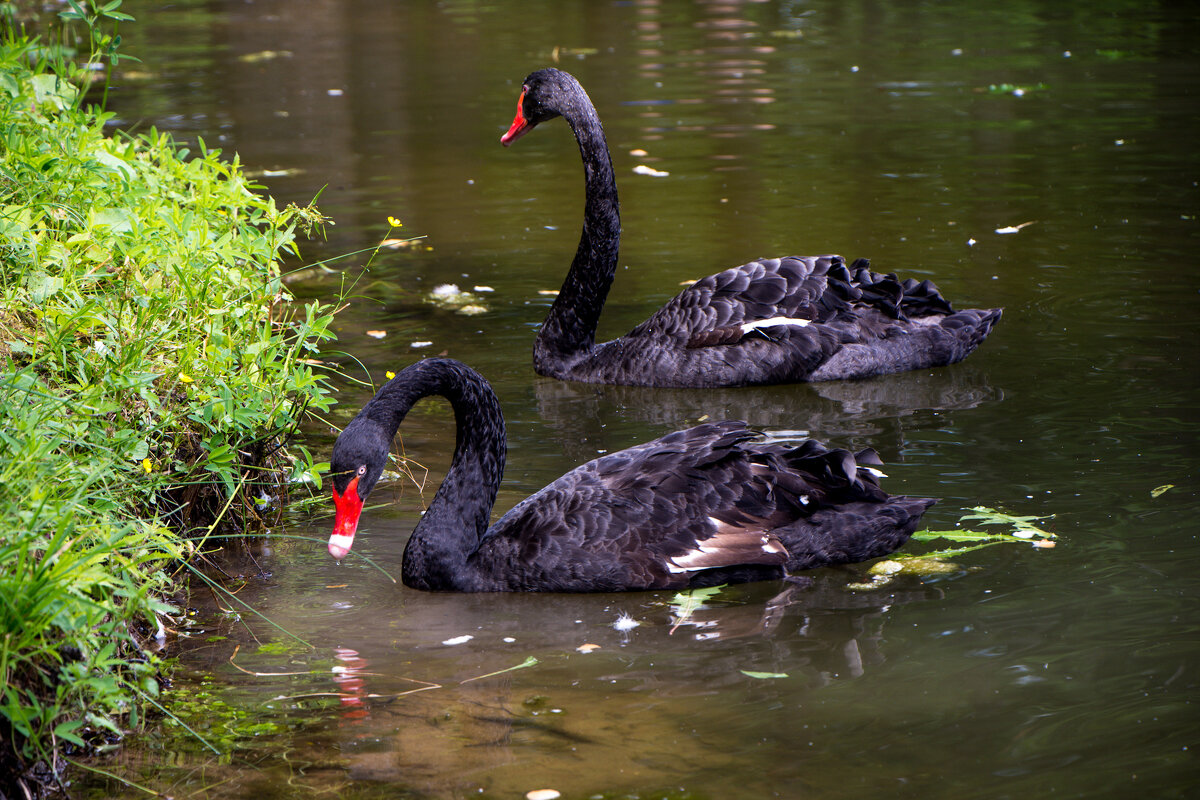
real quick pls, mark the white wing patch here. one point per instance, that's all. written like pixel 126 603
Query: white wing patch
pixel 728 548
pixel 773 322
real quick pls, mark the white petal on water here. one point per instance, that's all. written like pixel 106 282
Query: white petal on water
pixel 642 169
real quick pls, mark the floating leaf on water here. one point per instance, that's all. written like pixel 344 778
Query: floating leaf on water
pixel 1159 490
pixel 762 676
pixel 990 516
pixel 638 152
pixel 421 344
pixel 543 794
pixel 264 55
pixel 957 536
pixel 587 648
pixel 548 292
pixel 1044 543
pixel 684 604
pixel 484 289
pixel 377 334
pixel 571 52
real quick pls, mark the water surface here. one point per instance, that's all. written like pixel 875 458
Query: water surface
pixel 888 130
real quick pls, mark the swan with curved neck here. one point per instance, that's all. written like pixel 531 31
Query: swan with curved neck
pixel 711 504
pixel 778 320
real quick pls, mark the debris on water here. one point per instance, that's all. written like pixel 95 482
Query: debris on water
pixel 881 573
pixel 377 334
pixel 587 648
pixel 483 289
pixel 762 675
pixel 1014 90
pixel 420 344
pixel 1014 228
pixel 543 794
pixel 466 637
pixel 638 152
pixel 1159 490
pixel 445 293
pixel 396 244
pixel 548 292
pixel 642 169
pixel 264 55
pixel 624 622
pixel 448 295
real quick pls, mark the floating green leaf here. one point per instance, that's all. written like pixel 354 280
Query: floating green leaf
pixel 762 676
pixel 990 516
pixel 684 604
pixel 1159 490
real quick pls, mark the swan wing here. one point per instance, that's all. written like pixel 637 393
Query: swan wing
pixel 655 515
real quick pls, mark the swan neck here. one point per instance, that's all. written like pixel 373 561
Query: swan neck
pixel 437 554
pixel 570 328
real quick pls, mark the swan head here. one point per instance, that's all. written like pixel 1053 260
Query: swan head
pixel 359 455
pixel 545 95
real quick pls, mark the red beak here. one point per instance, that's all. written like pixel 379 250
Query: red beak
pixel 347 508
pixel 520 126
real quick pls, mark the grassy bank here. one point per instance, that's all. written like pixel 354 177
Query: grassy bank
pixel 152 370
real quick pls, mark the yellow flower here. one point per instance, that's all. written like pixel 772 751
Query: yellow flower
pixel 185 378
pixel 395 223
pixel 146 465
pixel 390 374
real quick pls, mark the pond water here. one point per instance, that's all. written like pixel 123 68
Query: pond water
pixel 887 129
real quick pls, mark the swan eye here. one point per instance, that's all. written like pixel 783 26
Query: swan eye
pixel 362 470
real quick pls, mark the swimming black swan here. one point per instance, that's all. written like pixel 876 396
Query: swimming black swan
pixel 778 320
pixel 698 507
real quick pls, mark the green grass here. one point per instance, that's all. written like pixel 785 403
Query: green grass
pixel 153 368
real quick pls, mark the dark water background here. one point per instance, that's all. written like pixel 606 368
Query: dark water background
pixel 863 128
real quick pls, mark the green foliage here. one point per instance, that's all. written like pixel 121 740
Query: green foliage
pixel 938 562
pixel 149 289
pixel 80 579
pixel 152 367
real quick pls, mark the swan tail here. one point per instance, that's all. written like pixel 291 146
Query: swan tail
pixel 851 533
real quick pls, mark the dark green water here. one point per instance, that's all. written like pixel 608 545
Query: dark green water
pixel 866 129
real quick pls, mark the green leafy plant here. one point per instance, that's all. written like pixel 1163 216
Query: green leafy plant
pixel 153 371
pixel 938 562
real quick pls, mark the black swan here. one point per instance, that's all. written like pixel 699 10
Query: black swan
pixel 698 507
pixel 778 320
